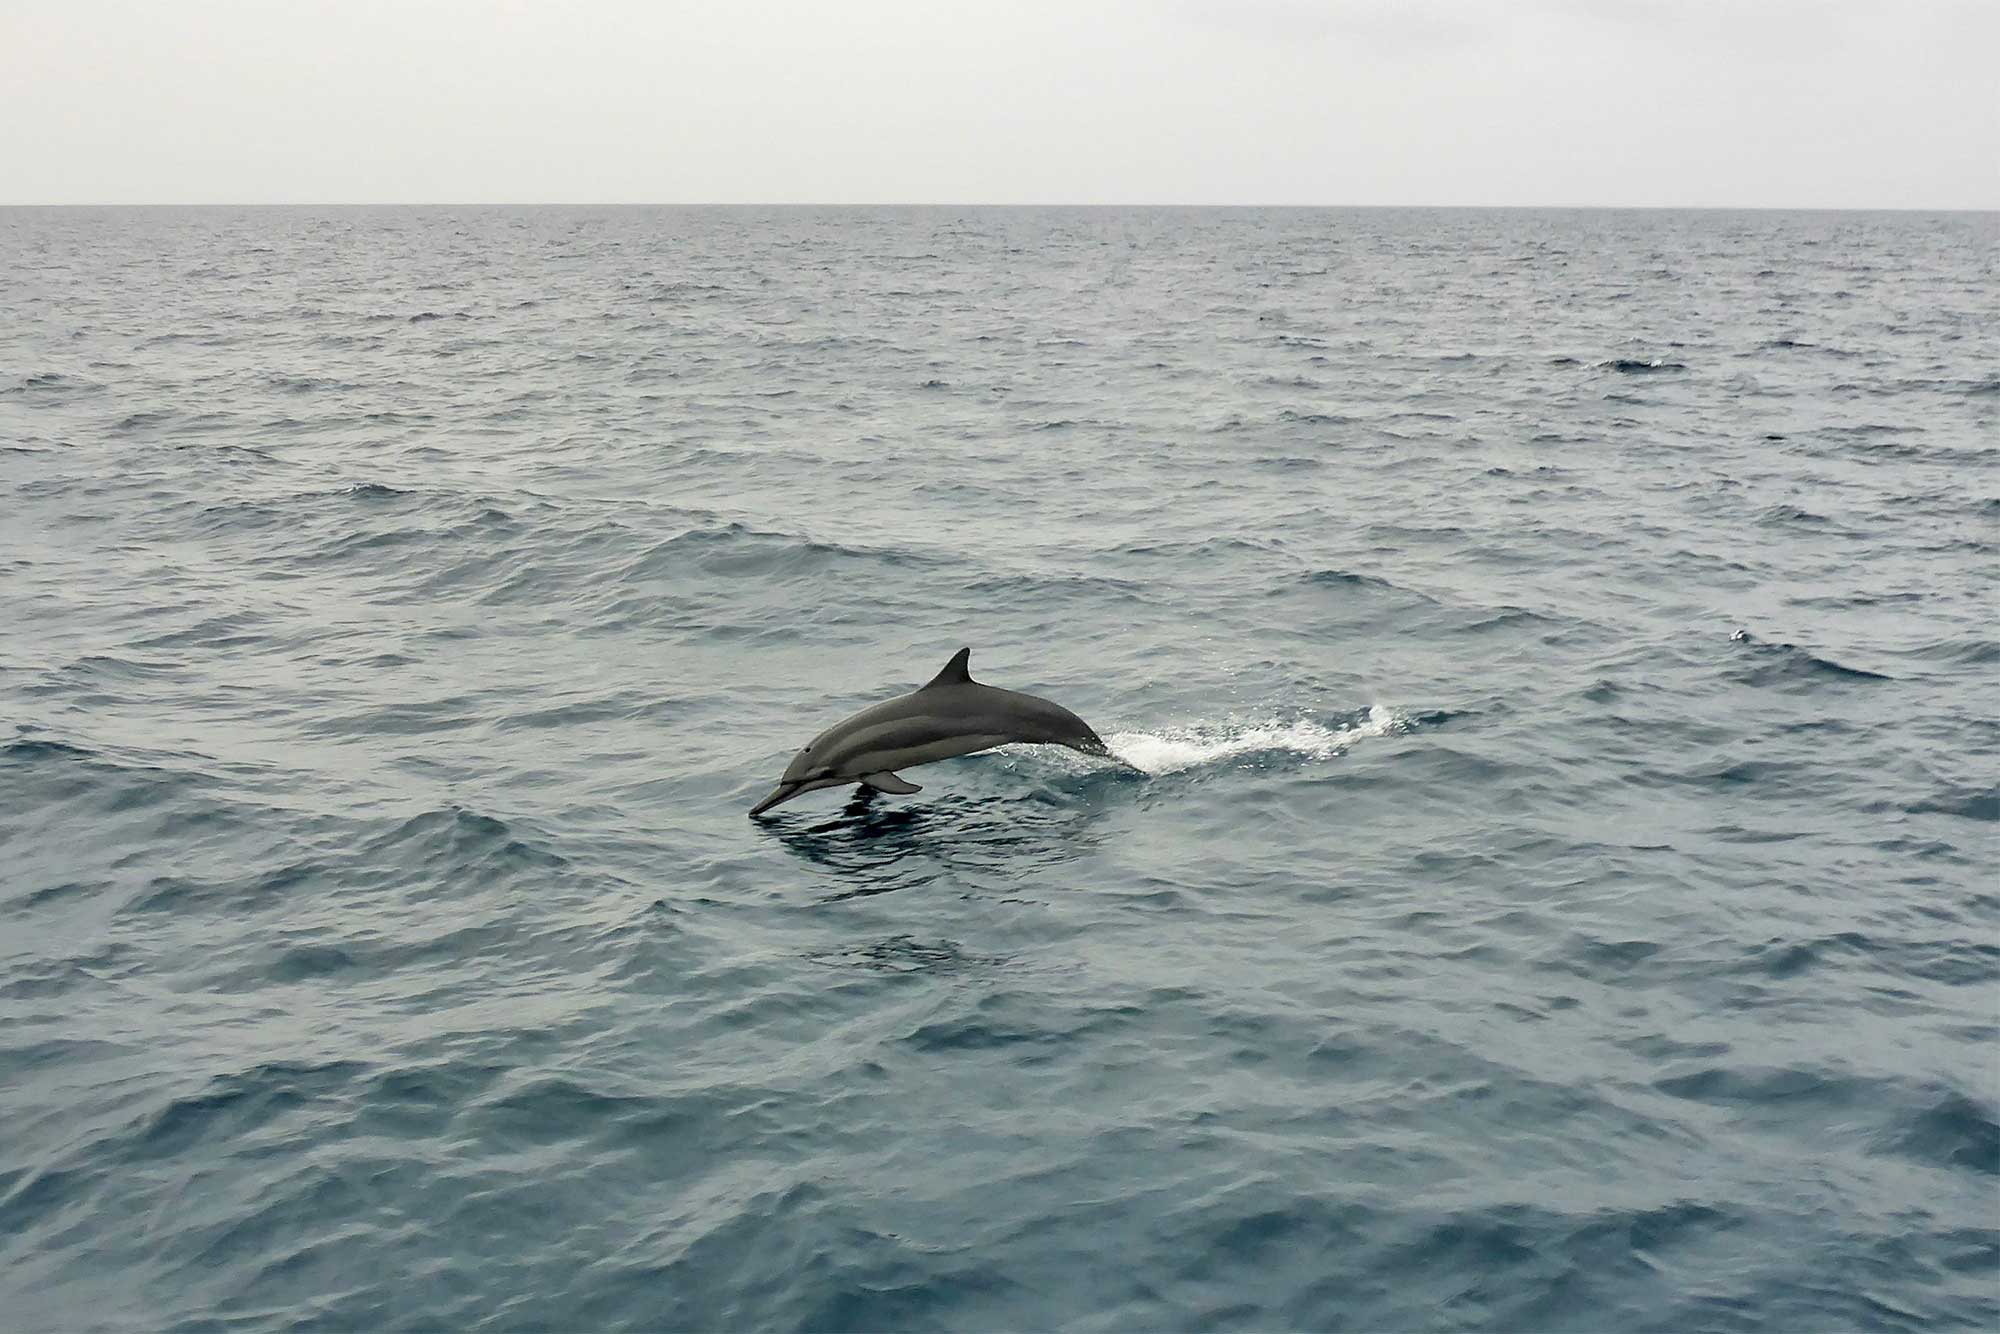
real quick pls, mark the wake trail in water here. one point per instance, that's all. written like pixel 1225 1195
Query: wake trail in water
pixel 1176 749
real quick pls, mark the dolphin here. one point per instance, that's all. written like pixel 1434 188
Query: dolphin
pixel 952 714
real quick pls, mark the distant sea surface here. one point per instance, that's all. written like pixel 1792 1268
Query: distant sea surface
pixel 1555 888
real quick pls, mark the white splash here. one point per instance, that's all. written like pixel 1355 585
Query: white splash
pixel 1179 748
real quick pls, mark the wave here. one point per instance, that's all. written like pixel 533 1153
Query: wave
pixel 1044 587
pixel 1787 344
pixel 1175 750
pixel 1635 366
pixel 1348 579
pixel 455 835
pixel 1967 803
pixel 740 550
pixel 1957 652
pixel 1954 1132
pixel 1210 549
pixel 50 388
pixel 1777 664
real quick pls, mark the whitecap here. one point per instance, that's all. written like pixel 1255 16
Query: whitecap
pixel 1175 749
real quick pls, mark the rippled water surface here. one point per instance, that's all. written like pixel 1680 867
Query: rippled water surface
pixel 1555 888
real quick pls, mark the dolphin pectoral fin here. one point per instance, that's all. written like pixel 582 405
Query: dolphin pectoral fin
pixel 888 782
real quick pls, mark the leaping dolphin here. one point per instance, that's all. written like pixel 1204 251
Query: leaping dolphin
pixel 951 715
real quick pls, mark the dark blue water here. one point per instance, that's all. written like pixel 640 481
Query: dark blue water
pixel 1561 649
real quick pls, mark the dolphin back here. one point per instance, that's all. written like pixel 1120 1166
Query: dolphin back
pixel 1030 718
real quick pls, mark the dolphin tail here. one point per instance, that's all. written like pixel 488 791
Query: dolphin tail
pixel 1089 743
pixel 1094 745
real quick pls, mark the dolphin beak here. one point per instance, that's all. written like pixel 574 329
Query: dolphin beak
pixel 780 794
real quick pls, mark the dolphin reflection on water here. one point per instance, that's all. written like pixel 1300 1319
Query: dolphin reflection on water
pixel 951 715
pixel 983 844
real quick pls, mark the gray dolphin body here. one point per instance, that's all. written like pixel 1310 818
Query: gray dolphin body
pixel 951 715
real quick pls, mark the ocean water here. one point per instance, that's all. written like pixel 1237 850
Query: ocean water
pixel 1554 887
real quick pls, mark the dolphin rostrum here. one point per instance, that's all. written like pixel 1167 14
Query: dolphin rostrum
pixel 951 715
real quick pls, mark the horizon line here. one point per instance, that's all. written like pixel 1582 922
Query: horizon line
pixel 949 204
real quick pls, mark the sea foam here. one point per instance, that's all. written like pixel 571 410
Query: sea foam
pixel 1176 749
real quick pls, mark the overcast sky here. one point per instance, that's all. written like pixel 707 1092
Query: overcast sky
pixel 1809 103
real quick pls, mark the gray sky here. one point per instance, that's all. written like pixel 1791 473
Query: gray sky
pixel 1808 103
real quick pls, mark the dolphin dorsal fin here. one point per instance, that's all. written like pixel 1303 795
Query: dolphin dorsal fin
pixel 954 673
